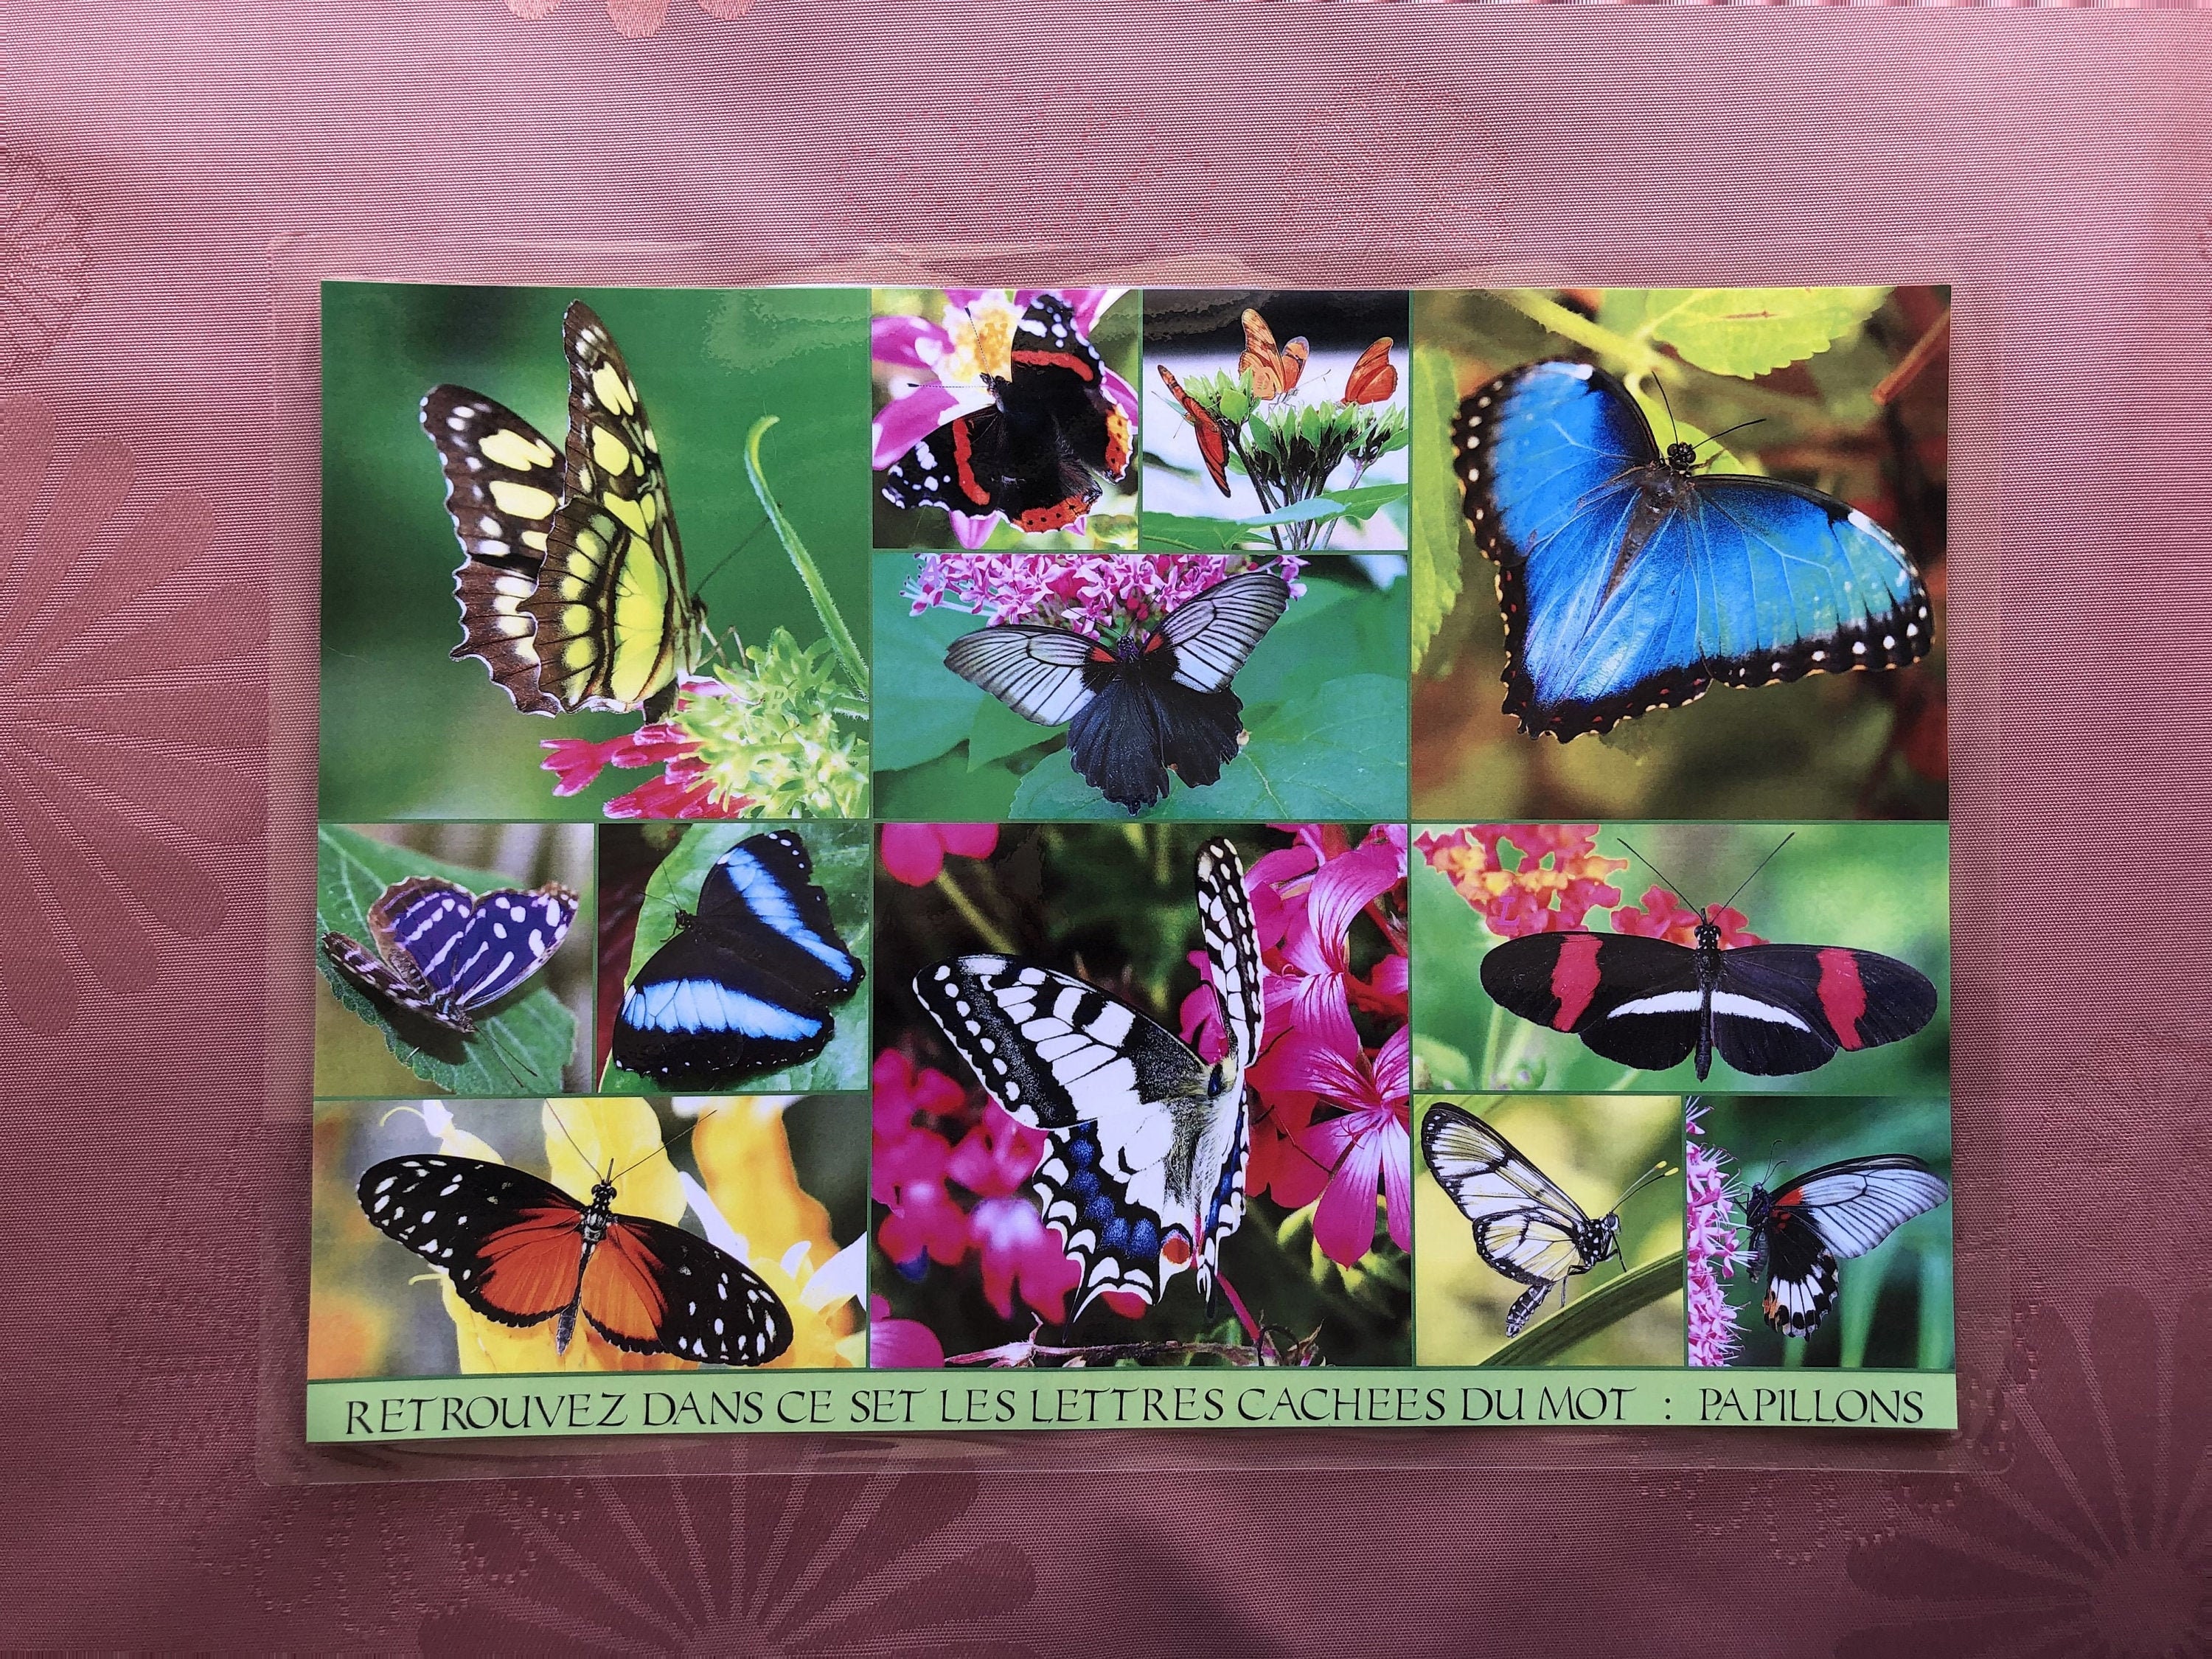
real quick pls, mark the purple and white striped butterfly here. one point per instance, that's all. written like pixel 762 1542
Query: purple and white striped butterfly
pixel 444 952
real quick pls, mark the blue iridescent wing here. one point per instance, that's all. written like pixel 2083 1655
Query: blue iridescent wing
pixel 1628 584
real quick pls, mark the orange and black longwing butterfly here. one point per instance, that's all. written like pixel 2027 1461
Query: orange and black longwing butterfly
pixel 1274 369
pixel 1213 442
pixel 519 1251
pixel 1372 378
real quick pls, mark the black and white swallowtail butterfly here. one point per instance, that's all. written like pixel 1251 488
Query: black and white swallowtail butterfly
pixel 1843 1210
pixel 1144 1175
pixel 744 987
pixel 1155 700
pixel 1525 1226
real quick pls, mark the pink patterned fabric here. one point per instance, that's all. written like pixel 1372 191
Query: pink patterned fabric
pixel 171 180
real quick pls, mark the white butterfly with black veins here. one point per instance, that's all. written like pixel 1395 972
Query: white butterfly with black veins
pixel 1158 699
pixel 1525 1227
pixel 1145 1173
pixel 1844 1209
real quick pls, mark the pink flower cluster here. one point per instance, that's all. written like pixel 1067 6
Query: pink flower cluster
pixel 1331 1113
pixel 951 1170
pixel 914 853
pixel 1100 594
pixel 1555 879
pixel 684 789
pixel 1665 916
pixel 1713 1247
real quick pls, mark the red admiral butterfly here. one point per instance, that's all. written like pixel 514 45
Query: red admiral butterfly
pixel 1044 451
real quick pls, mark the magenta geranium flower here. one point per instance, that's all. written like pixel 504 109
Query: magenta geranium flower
pixel 937 370
pixel 915 853
pixel 896 1344
pixel 1020 1252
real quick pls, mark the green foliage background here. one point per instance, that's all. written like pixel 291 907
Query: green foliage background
pixel 1324 701
pixel 1894 1307
pixel 1882 887
pixel 408 733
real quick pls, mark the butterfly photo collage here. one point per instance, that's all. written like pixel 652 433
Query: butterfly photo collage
pixel 902 860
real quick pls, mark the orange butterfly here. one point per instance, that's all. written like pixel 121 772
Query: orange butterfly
pixel 1212 443
pixel 1372 378
pixel 1275 370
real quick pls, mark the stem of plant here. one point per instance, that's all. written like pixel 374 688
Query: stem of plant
pixel 973 915
pixel 833 623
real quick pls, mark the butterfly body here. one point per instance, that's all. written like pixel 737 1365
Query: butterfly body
pixel 1151 702
pixel 1631 579
pixel 573 590
pixel 1526 1227
pixel 444 953
pixel 521 1251
pixel 1273 371
pixel 1767 1010
pixel 1799 1230
pixel 1143 1174
pixel 743 988
pixel 1044 450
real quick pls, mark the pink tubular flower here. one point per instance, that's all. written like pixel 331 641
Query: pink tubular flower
pixel 915 853
pixel 1664 916
pixel 1712 1246
pixel 937 370
pixel 1554 880
pixel 900 1344
pixel 1019 1250
pixel 1100 594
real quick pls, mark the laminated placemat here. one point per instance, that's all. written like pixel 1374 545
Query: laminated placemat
pixel 932 832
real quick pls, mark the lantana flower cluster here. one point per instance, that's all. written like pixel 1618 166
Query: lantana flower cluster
pixel 1712 1245
pixel 1330 1109
pixel 937 370
pixel 1554 879
pixel 766 739
pixel 1099 594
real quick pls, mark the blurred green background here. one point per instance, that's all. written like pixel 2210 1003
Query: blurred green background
pixel 356 1056
pixel 1324 697
pixel 1829 746
pixel 1594 1148
pixel 407 733
pixel 1893 1309
pixel 1114 906
pixel 1118 337
pixel 1882 887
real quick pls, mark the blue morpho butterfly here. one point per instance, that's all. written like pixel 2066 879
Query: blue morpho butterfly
pixel 1630 581
pixel 744 986
pixel 447 954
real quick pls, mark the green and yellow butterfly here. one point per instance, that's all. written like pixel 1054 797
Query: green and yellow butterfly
pixel 572 592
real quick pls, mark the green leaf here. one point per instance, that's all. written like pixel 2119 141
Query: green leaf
pixel 843 868
pixel 1179 532
pixel 1436 565
pixel 521 1044
pixel 1358 505
pixel 943 791
pixel 1339 751
pixel 930 709
pixel 1611 1301
pixel 998 731
pixel 1750 332
pixel 833 623
pixel 1438 1064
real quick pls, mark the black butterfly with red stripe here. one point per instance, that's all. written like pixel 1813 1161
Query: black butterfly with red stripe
pixel 1046 448
pixel 521 1251
pixel 1768 1010
pixel 1157 700
pixel 1841 1210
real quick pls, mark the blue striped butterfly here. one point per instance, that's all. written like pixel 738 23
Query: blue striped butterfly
pixel 1526 1227
pixel 571 585
pixel 1156 701
pixel 1143 1176
pixel 1631 579
pixel 1844 1209
pixel 744 987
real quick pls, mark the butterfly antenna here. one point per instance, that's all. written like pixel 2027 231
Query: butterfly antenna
pixel 665 1146
pixel 506 1058
pixel 1738 426
pixel 565 1135
pixel 1761 864
pixel 1662 875
pixel 1672 425
pixel 1662 1167
pixel 744 542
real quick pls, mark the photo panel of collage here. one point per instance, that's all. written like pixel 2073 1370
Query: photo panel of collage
pixel 974 858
